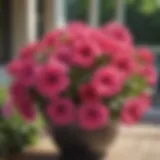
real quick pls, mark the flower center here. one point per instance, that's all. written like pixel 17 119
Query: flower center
pixel 93 114
pixel 61 109
pixel 28 71
pixel 90 93
pixel 122 65
pixel 85 51
pixel 52 78
pixel 132 111
pixel 119 35
pixel 106 81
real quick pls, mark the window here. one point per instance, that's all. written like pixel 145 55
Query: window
pixel 145 27
pixel 107 11
pixel 77 10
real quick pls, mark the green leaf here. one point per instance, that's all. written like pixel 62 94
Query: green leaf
pixel 134 86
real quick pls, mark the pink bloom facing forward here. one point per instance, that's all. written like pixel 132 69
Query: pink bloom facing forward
pixel 132 111
pixel 22 71
pixel 88 93
pixel 61 112
pixel 83 55
pixel 145 55
pixel 107 81
pixel 117 31
pixel 93 116
pixel 52 79
pixel 22 101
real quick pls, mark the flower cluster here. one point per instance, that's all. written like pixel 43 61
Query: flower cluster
pixel 87 76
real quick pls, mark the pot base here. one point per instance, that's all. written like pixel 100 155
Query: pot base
pixel 79 153
pixel 76 144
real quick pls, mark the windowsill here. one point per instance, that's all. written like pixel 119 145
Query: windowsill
pixel 152 116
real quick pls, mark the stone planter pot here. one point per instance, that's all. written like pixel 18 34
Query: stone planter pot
pixel 76 144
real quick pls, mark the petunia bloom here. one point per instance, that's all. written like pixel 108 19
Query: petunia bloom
pixel 29 51
pixel 107 81
pixel 124 64
pixel 93 116
pixel 117 31
pixel 83 55
pixel 64 55
pixel 23 101
pixel 52 79
pixel 23 71
pixel 61 111
pixel 145 55
pixel 88 93
pixel 132 111
pixel 149 73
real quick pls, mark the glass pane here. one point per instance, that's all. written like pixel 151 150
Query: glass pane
pixel 107 10
pixel 78 10
pixel 145 27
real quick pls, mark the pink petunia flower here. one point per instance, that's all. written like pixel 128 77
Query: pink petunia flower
pixel 64 55
pixel 107 81
pixel 132 111
pixel 83 55
pixel 61 111
pixel 23 71
pixel 22 100
pixel 29 51
pixel 88 93
pixel 149 73
pixel 52 79
pixel 52 39
pixel 93 116
pixel 124 63
pixel 145 55
pixel 117 31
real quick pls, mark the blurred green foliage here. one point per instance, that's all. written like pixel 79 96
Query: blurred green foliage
pixel 3 95
pixel 15 133
pixel 145 6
